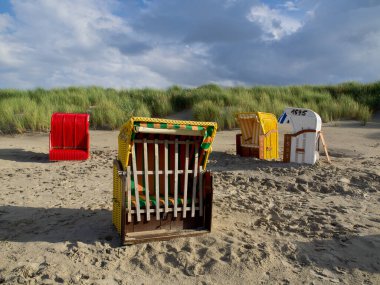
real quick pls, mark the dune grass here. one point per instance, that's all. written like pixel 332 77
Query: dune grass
pixel 30 110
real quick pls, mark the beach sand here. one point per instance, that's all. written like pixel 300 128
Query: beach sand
pixel 273 223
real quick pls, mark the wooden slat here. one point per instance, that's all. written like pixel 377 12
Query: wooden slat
pixel 175 177
pixel 166 172
pixel 257 131
pixel 143 237
pixel 185 179
pixel 138 216
pixel 195 179
pixel 129 195
pixel 146 179
pixel 157 181
pixel 200 191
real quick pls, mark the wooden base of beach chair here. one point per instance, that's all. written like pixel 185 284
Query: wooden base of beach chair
pixel 166 228
pixel 246 151
pixel 163 235
pixel 301 150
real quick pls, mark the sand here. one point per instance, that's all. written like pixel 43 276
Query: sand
pixel 273 223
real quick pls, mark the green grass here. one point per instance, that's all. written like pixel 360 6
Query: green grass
pixel 30 110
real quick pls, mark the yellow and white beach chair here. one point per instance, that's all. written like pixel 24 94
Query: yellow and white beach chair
pixel 259 135
pixel 302 146
pixel 161 188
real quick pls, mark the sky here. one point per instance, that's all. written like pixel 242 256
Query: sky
pixel 147 43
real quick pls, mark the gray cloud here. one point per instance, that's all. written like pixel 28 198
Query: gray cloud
pixel 160 43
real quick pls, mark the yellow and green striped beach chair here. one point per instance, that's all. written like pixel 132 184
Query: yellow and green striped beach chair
pixel 259 135
pixel 161 188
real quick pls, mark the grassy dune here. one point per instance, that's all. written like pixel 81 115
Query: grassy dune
pixel 30 110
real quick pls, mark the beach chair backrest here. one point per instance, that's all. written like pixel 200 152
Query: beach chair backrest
pixel 69 131
pixel 250 127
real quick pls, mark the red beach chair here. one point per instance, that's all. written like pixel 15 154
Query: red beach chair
pixel 69 137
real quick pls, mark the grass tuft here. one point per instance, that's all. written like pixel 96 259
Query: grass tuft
pixel 30 110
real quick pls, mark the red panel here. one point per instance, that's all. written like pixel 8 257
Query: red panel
pixel 69 136
pixel 68 154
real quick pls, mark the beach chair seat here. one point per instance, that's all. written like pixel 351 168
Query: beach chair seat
pixel 69 137
pixel 259 135
pixel 302 145
pixel 161 189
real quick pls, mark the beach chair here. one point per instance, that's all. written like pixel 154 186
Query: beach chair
pixel 69 137
pixel 259 135
pixel 161 189
pixel 302 145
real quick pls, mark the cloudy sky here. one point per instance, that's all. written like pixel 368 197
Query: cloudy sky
pixel 147 43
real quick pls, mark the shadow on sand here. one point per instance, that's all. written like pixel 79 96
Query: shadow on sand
pixel 21 155
pixel 27 224
pixel 224 161
pixel 342 255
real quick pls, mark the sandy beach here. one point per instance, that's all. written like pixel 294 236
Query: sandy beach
pixel 273 223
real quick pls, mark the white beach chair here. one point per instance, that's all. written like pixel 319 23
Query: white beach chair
pixel 302 146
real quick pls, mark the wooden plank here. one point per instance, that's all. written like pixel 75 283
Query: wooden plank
pixel 325 146
pixel 200 191
pixel 175 177
pixel 185 179
pixel 287 147
pixel 137 198
pixel 142 237
pixel 129 195
pixel 166 172
pixel 146 179
pixel 195 179
pixel 157 180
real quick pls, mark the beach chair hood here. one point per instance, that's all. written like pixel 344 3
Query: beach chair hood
pixel 301 119
pixel 166 127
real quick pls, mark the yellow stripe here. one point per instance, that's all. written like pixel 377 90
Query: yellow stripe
pixel 173 122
